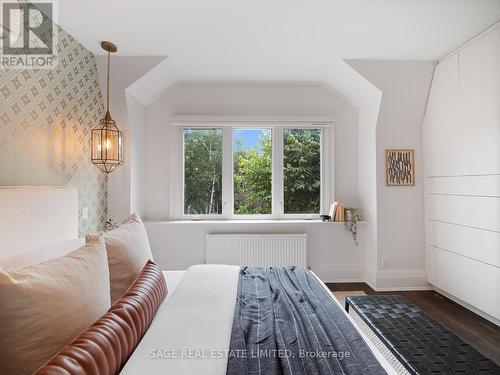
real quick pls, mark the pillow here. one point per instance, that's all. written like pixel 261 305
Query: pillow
pixel 128 249
pixel 46 305
pixel 104 347
pixel 27 256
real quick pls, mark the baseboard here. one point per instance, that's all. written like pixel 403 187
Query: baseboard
pixel 475 310
pixel 381 280
pixel 339 272
pixel 400 280
pixel 371 276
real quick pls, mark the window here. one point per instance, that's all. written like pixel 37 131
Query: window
pixel 254 172
pixel 302 171
pixel 202 171
pixel 253 169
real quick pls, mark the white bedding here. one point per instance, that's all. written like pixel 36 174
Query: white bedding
pixel 380 357
pixel 173 278
pixel 193 325
pixel 197 316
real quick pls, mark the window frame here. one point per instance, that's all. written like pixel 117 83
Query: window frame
pixel 277 129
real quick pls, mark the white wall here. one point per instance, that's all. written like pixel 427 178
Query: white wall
pixel 394 228
pixel 158 161
pixel 462 172
pixel 400 210
pixel 390 98
pixel 137 156
pixel 331 251
pixel 253 100
pixel 366 98
pixel 367 187
pixel 125 70
pixel 177 245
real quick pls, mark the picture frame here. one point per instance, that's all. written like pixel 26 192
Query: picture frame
pixel 400 167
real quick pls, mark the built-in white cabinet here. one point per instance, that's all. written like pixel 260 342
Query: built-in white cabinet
pixel 461 136
pixel 479 111
pixel 441 135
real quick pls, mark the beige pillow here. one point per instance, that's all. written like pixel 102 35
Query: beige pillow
pixel 45 306
pixel 128 250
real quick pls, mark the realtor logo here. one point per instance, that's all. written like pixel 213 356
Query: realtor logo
pixel 28 35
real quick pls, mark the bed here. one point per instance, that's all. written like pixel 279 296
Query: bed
pixel 192 330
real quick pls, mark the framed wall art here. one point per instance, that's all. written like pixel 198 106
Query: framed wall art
pixel 399 168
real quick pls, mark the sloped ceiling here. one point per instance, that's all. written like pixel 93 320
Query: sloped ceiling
pixel 281 40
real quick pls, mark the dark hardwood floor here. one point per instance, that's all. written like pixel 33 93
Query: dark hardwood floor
pixel 477 331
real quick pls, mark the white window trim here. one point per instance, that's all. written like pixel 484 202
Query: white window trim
pixel 277 126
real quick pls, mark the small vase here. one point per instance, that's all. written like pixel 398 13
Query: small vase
pixel 348 215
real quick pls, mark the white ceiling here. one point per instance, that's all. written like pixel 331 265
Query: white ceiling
pixel 276 40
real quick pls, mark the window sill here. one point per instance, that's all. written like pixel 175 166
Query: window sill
pixel 250 221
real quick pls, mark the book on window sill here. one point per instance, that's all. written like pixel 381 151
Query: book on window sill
pixel 339 212
pixel 332 210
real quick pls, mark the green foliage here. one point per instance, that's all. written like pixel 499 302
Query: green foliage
pixel 252 173
pixel 353 215
pixel 253 178
pixel 203 171
pixel 302 170
pixel 302 183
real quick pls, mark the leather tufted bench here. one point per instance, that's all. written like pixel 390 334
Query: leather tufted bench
pixel 105 346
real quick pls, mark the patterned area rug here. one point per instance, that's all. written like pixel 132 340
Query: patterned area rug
pixel 398 367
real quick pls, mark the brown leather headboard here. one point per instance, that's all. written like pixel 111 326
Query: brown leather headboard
pixel 105 346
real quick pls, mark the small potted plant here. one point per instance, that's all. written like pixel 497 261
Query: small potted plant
pixel 110 225
pixel 351 218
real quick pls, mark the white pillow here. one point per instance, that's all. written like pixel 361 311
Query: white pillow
pixel 128 251
pixel 28 256
pixel 45 306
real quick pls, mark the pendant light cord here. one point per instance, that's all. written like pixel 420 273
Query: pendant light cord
pixel 107 84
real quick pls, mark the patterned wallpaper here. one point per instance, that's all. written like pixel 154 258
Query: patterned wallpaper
pixel 45 120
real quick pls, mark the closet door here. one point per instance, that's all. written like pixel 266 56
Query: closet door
pixel 442 129
pixel 462 188
pixel 479 72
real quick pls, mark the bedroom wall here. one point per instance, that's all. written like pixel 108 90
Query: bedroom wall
pixel 372 111
pixel 45 122
pixel 177 245
pixel 126 184
pixel 252 100
pixel 137 162
pixel 366 98
pixel 158 161
pixel 332 254
pixel 405 85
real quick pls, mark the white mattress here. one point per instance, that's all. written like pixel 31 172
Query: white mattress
pixel 198 315
pixel 173 278
pixel 195 321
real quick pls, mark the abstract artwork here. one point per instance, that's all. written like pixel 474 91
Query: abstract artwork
pixel 399 168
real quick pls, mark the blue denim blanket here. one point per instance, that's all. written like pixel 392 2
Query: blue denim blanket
pixel 286 323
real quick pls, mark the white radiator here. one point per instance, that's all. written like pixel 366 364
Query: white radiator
pixel 257 250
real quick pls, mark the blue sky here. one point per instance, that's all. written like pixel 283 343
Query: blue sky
pixel 249 138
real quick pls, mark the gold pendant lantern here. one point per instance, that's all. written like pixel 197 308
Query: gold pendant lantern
pixel 107 145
